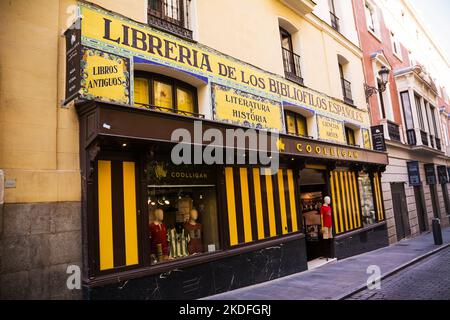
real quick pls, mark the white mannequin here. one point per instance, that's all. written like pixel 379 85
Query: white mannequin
pixel 327 201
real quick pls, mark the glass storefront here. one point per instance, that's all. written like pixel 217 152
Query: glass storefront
pixel 182 208
pixel 367 199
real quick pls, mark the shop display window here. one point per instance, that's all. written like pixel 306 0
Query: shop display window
pixel 183 218
pixel 367 199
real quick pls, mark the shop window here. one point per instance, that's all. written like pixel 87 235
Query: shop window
pixel 296 124
pixel 367 199
pixel 182 210
pixel 350 135
pixel 164 94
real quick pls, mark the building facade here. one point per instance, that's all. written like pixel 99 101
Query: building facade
pixel 111 88
pixel 412 109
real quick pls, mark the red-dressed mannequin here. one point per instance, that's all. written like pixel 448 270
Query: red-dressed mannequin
pixel 158 237
pixel 325 213
pixel 194 229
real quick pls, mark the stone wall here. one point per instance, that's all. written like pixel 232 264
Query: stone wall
pixel 37 243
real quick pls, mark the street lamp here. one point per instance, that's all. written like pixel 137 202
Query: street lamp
pixel 384 75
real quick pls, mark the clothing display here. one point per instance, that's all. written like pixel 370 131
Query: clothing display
pixel 158 240
pixel 178 243
pixel 195 234
pixel 325 212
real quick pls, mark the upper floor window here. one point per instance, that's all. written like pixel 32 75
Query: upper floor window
pixel 371 18
pixel 164 94
pixel 418 102
pixel 171 15
pixel 395 45
pixel 346 85
pixel 291 61
pixel 350 135
pixel 333 16
pixel 296 124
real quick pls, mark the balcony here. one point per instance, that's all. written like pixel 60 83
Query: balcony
pixel 171 16
pixel 170 110
pixel 334 21
pixel 347 91
pixel 394 131
pixel 424 136
pixel 292 69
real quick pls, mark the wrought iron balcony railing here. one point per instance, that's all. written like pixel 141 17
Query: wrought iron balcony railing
pixel 347 91
pixel 169 110
pixel 170 15
pixel 394 131
pixel 411 135
pixel 292 69
pixel 334 22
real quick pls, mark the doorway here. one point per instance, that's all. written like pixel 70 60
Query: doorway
pixel 400 210
pixel 313 189
pixel 420 206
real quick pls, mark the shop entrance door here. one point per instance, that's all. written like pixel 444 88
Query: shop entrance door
pixel 313 189
pixel 400 210
pixel 420 205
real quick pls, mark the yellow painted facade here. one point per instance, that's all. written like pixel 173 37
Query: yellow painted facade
pixel 39 139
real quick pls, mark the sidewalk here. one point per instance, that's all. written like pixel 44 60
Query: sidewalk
pixel 336 280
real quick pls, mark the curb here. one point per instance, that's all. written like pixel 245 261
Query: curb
pixel 394 271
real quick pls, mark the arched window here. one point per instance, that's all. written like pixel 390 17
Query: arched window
pixel 165 94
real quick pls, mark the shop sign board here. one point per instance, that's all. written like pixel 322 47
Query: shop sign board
pixel 379 143
pixel 105 76
pixel 430 174
pixel 242 108
pixel 123 37
pixel 330 130
pixel 73 57
pixel 414 173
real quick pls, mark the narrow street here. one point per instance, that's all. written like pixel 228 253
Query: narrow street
pixel 425 280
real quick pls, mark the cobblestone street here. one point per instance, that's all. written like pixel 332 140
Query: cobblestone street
pixel 426 280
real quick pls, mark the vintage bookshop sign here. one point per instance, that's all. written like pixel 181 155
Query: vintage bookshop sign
pixel 105 76
pixel 112 45
pixel 330 129
pixel 242 108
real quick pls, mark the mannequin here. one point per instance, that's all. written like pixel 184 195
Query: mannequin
pixel 326 220
pixel 158 237
pixel 194 230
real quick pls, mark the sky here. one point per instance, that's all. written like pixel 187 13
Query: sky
pixel 436 13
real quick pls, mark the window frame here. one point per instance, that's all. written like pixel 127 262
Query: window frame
pixel 349 131
pixel 174 83
pixel 296 116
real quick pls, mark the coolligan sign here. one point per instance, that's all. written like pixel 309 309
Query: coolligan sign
pixel 254 95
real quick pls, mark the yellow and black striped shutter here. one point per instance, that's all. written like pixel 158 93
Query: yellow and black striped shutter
pixel 378 196
pixel 117 214
pixel 259 206
pixel 345 201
